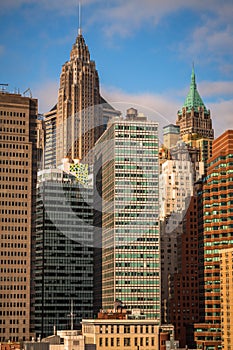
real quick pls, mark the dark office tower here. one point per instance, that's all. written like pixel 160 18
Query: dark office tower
pixel 79 120
pixel 64 249
pixel 217 235
pixel 183 306
pixel 20 132
pixel 195 122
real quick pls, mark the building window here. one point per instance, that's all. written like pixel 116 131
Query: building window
pixel 126 329
pixel 112 341
pixel 100 342
pixel 106 341
pixel 117 341
pixel 126 341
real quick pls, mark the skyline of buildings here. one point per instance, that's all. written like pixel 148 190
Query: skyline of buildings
pixel 137 257
pixel 183 164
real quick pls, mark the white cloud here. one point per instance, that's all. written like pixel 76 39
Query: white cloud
pixel 222 116
pixel 158 107
pixel 210 40
pixel 217 88
pixel 214 36
pixel 46 94
pixel 163 108
pixel 124 17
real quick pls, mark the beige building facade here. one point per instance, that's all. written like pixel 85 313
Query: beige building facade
pixel 18 163
pixel 78 120
pixel 123 334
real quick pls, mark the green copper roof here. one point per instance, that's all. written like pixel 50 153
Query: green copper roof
pixel 193 99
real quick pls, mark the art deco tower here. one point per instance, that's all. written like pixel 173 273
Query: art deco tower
pixel 79 121
pixel 195 122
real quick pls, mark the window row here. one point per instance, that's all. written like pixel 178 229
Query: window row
pixel 12 114
pixel 110 342
pixel 12 121
pixel 13 245
pixel 12 154
pixel 12 138
pixel 13 130
pixel 14 171
pixel 16 179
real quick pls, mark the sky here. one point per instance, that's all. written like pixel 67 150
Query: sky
pixel 144 51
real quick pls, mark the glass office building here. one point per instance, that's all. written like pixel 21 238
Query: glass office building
pixel 130 210
pixel 64 252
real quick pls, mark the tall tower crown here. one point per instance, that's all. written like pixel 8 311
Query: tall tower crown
pixel 193 99
pixel 80 49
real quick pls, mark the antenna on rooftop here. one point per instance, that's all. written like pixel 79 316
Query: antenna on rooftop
pixel 29 92
pixel 79 19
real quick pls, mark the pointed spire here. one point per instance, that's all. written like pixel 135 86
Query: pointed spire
pixel 193 79
pixel 80 49
pixel 79 19
pixel 193 99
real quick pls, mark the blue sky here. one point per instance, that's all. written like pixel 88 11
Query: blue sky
pixel 143 51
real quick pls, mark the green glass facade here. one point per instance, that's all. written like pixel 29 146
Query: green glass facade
pixel 130 224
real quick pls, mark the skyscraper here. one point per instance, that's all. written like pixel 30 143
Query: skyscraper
pixel 81 114
pixel 226 283
pixel 183 305
pixel 217 234
pixel 64 249
pixel 195 122
pixel 19 146
pixel 177 176
pixel 79 119
pixel 130 221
